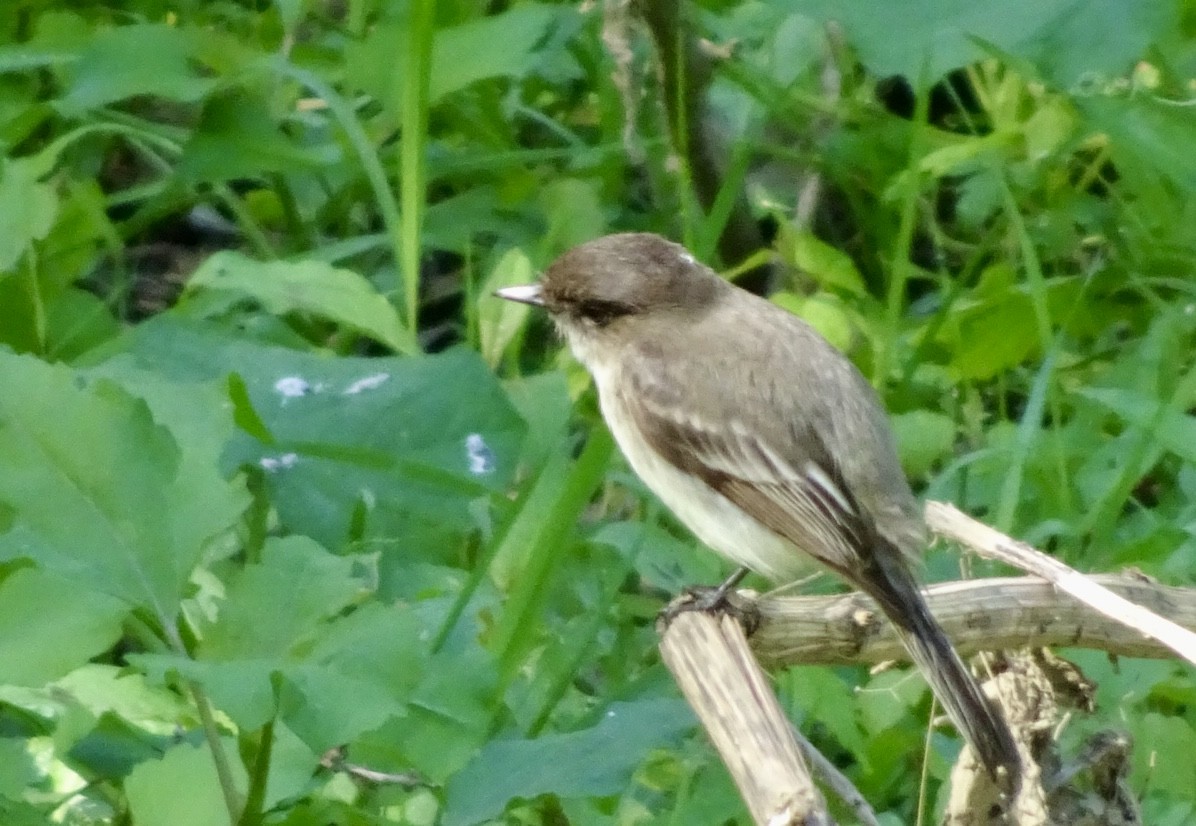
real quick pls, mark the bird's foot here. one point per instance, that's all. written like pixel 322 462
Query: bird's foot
pixel 711 600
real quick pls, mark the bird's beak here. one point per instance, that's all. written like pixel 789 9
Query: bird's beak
pixel 525 294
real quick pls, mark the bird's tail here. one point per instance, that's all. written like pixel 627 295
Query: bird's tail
pixel 891 584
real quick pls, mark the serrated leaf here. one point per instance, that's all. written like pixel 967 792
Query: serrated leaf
pixel 564 764
pixel 277 604
pixel 498 45
pixel 36 645
pixel 181 789
pixel 237 138
pixel 382 443
pixel 27 209
pixel 242 689
pixel 90 481
pixel 310 286
pixel 140 59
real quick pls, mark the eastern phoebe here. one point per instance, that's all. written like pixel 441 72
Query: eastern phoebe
pixel 760 436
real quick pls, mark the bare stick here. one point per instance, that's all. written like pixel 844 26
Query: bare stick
pixel 978 615
pixel 947 520
pixel 710 660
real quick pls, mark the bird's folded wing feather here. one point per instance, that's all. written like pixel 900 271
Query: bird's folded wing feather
pixel 791 489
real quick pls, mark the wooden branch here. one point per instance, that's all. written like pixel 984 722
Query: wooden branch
pixel 978 615
pixel 710 660
pixel 1132 616
pixel 946 520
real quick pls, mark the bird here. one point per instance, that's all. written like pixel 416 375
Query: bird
pixel 763 439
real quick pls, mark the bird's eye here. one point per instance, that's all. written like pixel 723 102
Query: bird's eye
pixel 601 312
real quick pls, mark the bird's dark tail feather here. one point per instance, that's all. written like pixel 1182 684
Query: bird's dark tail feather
pixel 891 584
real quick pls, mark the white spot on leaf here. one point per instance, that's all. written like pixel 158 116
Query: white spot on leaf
pixel 273 464
pixel 292 387
pixel 481 457
pixel 366 383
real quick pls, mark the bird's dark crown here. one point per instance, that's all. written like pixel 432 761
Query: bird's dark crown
pixel 625 275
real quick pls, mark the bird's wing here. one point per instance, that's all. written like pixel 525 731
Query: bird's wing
pixel 783 478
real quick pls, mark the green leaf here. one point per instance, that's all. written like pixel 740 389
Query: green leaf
pixel 28 208
pixel 1158 735
pixel 500 321
pixel 449 713
pixel 574 212
pixel 825 313
pixel 243 689
pixel 565 764
pixel 326 708
pixel 141 59
pixel 663 560
pixel 108 689
pixel 309 286
pixel 497 45
pixel 831 268
pixel 198 417
pixel 36 645
pixel 928 38
pixel 276 606
pixel 384 443
pixel 924 438
pixel 181 789
pixel 92 485
pixel 17 769
pixel 888 699
pixel 237 138
pixel 1170 428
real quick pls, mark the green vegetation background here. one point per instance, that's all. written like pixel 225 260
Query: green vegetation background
pixel 286 496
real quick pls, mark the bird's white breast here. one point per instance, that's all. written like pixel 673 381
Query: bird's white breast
pixel 713 518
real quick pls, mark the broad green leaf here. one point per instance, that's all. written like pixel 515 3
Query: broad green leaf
pixel 39 645
pixel 564 764
pixel 498 45
pixel 114 746
pixel 292 767
pixel 108 689
pixel 825 313
pixel 1172 429
pixel 181 789
pixel 928 38
pixel 198 417
pixel 282 644
pixel 832 269
pixel 387 444
pixel 17 769
pixel 888 698
pixel 825 695
pixel 77 321
pixel 309 286
pixel 275 607
pixel 449 713
pixel 663 560
pixel 245 690
pixel 141 59
pixel 90 482
pixel 326 708
pixel 1156 736
pixel 924 438
pixel 1147 135
pixel 574 212
pixel 27 209
pixel 500 321
pixel 237 138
